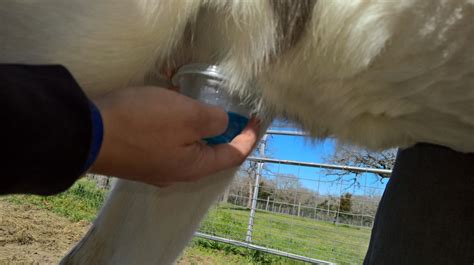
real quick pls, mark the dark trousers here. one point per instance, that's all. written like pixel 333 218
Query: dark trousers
pixel 426 215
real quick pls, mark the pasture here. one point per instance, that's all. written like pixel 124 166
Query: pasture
pixel 77 207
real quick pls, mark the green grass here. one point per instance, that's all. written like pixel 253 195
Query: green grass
pixel 196 254
pixel 212 252
pixel 303 236
pixel 298 235
pixel 80 202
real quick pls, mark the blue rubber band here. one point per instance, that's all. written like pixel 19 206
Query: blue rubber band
pixel 97 137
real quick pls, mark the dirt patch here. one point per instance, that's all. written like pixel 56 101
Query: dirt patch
pixel 29 235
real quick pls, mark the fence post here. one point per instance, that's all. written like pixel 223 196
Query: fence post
pixel 268 201
pixel 248 238
pixel 225 198
pixel 315 207
pixel 102 182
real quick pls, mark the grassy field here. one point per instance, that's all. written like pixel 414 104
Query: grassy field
pixel 303 236
pixel 80 202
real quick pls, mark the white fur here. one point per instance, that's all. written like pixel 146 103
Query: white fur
pixel 376 73
pixel 142 224
pixel 383 74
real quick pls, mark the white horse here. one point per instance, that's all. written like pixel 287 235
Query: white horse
pixel 375 73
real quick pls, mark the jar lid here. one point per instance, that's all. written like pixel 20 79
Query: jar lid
pixel 208 70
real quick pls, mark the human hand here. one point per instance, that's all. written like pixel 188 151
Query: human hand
pixel 153 135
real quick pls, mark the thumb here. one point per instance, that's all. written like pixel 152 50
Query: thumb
pixel 223 156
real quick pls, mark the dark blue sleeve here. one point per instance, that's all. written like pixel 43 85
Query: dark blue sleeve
pixel 50 133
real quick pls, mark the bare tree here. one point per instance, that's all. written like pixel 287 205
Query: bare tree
pixel 360 157
pixel 287 186
pixel 250 169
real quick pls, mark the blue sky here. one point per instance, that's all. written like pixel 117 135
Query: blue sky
pixel 303 149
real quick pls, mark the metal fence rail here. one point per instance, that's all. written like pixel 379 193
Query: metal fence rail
pixel 264 249
pixel 386 172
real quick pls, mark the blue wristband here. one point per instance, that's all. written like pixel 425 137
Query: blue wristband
pixel 97 137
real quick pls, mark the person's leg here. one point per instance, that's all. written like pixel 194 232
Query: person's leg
pixel 426 215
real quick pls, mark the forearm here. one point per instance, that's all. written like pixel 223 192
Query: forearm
pixel 46 129
pixel 151 134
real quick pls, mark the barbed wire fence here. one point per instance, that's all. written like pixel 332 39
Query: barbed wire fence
pixel 308 216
